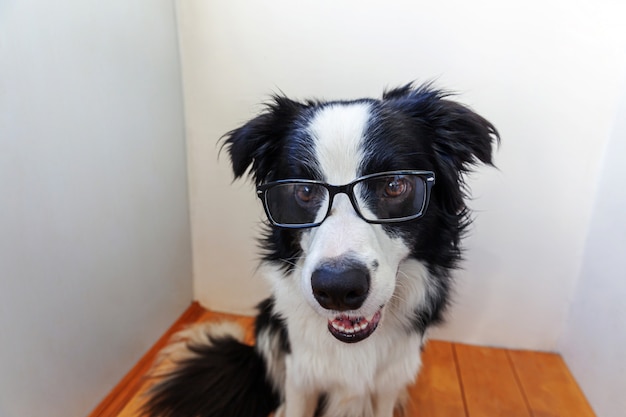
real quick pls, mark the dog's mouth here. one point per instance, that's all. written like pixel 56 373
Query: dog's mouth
pixel 353 329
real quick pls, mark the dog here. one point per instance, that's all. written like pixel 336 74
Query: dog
pixel 365 204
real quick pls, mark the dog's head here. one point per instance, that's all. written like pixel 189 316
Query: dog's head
pixel 352 189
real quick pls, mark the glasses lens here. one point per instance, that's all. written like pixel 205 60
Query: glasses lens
pixel 296 203
pixel 392 197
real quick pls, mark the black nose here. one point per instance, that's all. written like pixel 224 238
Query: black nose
pixel 341 285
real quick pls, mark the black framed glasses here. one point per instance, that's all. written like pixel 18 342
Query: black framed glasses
pixel 385 197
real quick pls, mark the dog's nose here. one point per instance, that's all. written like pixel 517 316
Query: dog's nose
pixel 341 286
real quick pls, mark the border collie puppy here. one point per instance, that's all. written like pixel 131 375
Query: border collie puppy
pixel 365 208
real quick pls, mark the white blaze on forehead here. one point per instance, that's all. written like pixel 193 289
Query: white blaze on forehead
pixel 338 133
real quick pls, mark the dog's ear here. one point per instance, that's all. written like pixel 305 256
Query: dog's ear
pixel 257 143
pixel 460 136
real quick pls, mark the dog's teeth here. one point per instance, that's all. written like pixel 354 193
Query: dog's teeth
pixel 350 326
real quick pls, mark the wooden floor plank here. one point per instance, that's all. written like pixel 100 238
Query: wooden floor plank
pixel 549 387
pixel 489 383
pixel 437 392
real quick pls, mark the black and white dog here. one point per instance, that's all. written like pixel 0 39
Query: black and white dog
pixel 365 202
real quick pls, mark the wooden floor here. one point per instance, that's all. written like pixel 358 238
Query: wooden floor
pixel 456 381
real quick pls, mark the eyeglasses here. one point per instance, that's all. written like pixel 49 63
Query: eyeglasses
pixel 386 197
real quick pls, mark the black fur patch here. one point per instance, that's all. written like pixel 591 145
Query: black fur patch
pixel 267 319
pixel 322 404
pixel 431 313
pixel 225 379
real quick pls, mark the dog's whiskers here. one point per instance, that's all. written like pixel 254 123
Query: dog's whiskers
pixel 292 262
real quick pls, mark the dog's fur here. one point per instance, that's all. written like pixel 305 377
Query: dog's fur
pixel 297 368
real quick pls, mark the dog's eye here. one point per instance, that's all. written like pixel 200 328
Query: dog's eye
pixel 396 187
pixel 304 193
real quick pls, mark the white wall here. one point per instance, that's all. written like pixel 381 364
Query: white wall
pixel 594 341
pixel 545 72
pixel 95 257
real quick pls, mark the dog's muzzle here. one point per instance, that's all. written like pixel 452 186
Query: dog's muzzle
pixel 343 285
